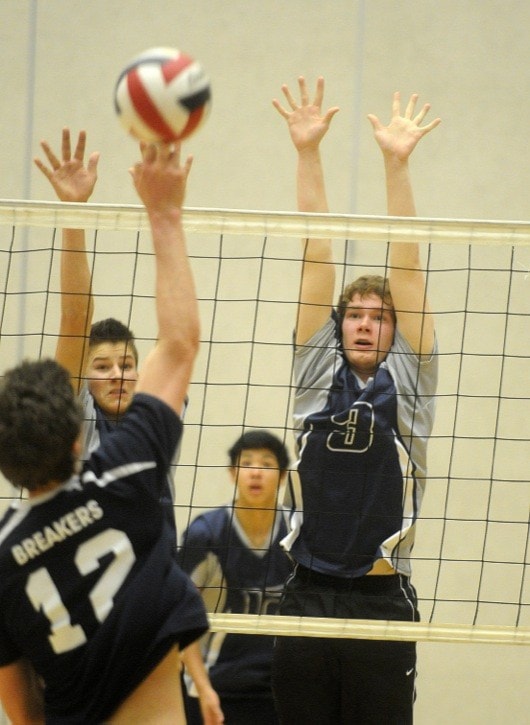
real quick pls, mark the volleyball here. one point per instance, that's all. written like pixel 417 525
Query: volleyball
pixel 162 95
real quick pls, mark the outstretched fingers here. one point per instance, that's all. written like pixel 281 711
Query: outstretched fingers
pixel 411 105
pixel 396 104
pixel 278 106
pixel 304 97
pixel 374 120
pixel 164 154
pixel 79 153
pixel 430 126
pixel 289 97
pixel 66 150
pixel 417 119
pixel 319 92
pixel 52 158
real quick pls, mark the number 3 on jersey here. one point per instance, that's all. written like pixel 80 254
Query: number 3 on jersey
pixel 44 595
pixel 355 429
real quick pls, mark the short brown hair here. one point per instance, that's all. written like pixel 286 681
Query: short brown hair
pixel 111 330
pixel 367 284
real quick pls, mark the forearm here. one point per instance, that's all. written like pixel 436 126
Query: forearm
pixel 194 663
pixel 311 191
pixel 311 196
pixel 22 694
pixel 400 202
pixel 77 307
pixel 407 279
pixel 209 701
pixel 176 301
pixel 76 281
pixel 318 271
pixel 399 194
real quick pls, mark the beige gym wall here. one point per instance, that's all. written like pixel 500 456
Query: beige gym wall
pixel 470 60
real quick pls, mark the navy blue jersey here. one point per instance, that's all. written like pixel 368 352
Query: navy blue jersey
pixel 97 426
pixel 360 475
pixel 90 591
pixel 234 576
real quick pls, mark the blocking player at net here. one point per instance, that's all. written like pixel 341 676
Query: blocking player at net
pixel 90 592
pixel 233 555
pixel 365 375
pixel 102 358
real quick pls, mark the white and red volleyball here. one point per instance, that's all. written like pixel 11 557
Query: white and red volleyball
pixel 162 95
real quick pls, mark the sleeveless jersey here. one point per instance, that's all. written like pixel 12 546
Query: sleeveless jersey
pixel 90 591
pixel 360 475
pixel 234 576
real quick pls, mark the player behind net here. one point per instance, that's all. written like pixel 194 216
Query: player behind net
pixel 365 375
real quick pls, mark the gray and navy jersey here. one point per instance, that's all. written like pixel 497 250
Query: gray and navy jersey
pixel 360 475
pixel 235 576
pixel 90 591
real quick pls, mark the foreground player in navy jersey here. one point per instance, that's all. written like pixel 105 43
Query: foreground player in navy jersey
pixel 233 555
pixel 365 376
pixel 90 593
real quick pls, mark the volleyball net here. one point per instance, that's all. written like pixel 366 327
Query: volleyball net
pixel 472 553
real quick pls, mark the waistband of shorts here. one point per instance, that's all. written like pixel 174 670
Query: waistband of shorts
pixel 366 582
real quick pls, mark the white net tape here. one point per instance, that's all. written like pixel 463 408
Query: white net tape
pixel 231 221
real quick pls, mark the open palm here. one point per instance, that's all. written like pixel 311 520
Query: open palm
pixel 400 137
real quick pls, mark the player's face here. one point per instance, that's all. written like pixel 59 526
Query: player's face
pixel 367 333
pixel 257 478
pixel 112 374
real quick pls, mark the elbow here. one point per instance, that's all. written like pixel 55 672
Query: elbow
pixel 185 347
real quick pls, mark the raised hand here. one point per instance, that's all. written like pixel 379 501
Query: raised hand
pixel 306 123
pixel 70 178
pixel 402 134
pixel 160 179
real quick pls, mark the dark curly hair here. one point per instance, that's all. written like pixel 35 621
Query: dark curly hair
pixel 40 419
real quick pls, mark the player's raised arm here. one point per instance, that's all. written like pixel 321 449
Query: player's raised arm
pixel 407 280
pixel 73 181
pixel 307 127
pixel 21 694
pixel 160 180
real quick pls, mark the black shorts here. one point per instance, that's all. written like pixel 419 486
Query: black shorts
pixel 342 681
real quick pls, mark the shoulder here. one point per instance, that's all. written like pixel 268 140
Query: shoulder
pixel 85 397
pixel 421 375
pixel 146 438
pixel 208 526
pixel 318 353
pixel 325 335
pixel 149 412
pixel 402 349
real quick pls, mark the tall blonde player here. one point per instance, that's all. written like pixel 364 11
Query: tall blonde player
pixel 365 376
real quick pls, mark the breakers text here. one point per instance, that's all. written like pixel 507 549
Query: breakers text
pixel 68 525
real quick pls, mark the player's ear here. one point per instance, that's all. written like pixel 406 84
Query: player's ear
pixel 77 447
